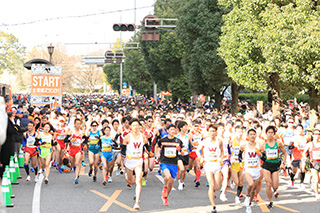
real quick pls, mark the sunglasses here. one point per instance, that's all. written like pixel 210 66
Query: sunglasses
pixel 197 125
pixel 163 120
pixel 150 121
pixel 94 125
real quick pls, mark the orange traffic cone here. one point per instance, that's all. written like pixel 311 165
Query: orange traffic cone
pixel 6 191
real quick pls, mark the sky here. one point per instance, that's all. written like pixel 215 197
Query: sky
pixel 72 32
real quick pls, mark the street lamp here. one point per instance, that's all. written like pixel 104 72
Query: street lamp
pixel 50 51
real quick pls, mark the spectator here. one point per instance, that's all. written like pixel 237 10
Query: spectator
pixel 25 120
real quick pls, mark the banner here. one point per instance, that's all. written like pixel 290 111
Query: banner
pixel 164 93
pixel 46 84
pixel 125 92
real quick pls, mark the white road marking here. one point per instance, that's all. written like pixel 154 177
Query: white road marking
pixel 162 181
pixel 36 195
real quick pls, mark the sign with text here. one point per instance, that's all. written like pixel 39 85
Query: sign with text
pixel 46 84
pixel 165 93
pixel 125 92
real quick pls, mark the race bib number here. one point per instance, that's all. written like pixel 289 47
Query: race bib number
pixel 61 137
pixel 106 148
pixel 235 154
pixel 77 142
pixel 253 162
pixel 272 153
pixel 137 153
pixel 170 152
pixel 30 141
pixel 212 156
pixel 316 155
pixel 93 140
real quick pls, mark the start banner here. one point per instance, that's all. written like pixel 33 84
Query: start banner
pixel 46 84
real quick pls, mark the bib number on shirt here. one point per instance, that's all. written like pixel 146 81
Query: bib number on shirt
pixel 30 141
pixel 170 152
pixel 106 148
pixel 77 142
pixel 272 153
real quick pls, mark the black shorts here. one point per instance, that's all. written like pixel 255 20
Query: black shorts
pixel 271 167
pixel 296 163
pixel 316 166
pixel 184 159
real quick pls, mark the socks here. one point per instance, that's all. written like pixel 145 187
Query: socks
pixel 302 175
pixel 239 190
pixel 26 167
pixel 198 174
pixel 36 171
pixel 291 176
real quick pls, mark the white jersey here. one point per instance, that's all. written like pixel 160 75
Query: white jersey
pixel 211 151
pixel 185 141
pixel 135 147
pixel 251 159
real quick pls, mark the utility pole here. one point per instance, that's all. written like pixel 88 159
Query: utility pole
pixel 121 61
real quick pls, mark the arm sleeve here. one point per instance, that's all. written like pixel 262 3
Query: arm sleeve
pixel 240 156
pixel 24 141
pixel 123 150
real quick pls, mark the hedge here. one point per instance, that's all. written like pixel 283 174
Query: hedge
pixel 254 97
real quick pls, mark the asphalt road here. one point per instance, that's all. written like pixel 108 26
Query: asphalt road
pixel 61 195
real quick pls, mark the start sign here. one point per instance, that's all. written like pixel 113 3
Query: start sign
pixel 46 84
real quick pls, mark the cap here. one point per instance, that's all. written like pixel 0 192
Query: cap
pixel 26 113
pixel 19 111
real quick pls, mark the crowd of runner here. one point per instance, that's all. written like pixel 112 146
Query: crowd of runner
pixel 130 136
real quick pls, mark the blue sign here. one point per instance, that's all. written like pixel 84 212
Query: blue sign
pixel 124 85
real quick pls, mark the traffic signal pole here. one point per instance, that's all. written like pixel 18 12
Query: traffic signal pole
pixel 121 62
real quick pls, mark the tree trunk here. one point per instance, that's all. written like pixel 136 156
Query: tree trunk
pixel 314 98
pixel 235 90
pixel 218 99
pixel 194 98
pixel 275 90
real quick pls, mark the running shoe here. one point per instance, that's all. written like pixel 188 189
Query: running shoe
pixel 143 181
pixel 270 205
pixel 76 181
pixel 276 194
pixel 104 183
pixel 248 210
pixel 118 172
pixel 121 172
pixel 292 185
pixel 90 173
pixel 110 180
pixel 165 201
pixel 60 170
pixel 302 187
pixel 62 167
pixel 66 170
pixel 317 197
pixel 94 178
pixel 159 172
pixel 223 197
pixel 36 178
pixel 237 200
pixel 197 183
pixel 128 185
pixel 231 184
pixel 214 210
pixel 207 184
pixel 180 187
pixel 164 192
pixel 255 198
pixel 46 181
pixel 28 178
pixel 83 164
pixel 247 201
pixel 136 206
pixel 32 169
pixel 54 164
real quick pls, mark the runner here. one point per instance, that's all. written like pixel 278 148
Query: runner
pixel 115 134
pixel 169 147
pixel 94 149
pixel 251 166
pixel 132 151
pixel 74 140
pixel 151 135
pixel 314 151
pixel 299 160
pixel 45 139
pixel 236 166
pixel 107 155
pixel 183 160
pixel 61 133
pixel 271 165
pixel 30 151
pixel 211 154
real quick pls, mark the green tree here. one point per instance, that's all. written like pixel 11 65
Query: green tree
pixel 112 72
pixel 11 53
pixel 199 29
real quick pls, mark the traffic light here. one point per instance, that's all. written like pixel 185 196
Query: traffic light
pixel 150 33
pixel 124 27
pixel 109 56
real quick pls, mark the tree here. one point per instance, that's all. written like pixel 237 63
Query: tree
pixel 112 72
pixel 11 53
pixel 199 29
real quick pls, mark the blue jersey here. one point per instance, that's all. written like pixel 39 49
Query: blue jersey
pixel 94 138
pixel 106 144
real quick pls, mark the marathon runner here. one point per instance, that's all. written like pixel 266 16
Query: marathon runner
pixel 94 149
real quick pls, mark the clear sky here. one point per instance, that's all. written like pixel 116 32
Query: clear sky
pixel 89 29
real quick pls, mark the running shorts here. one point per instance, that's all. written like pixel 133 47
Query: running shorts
pixel 73 152
pixel 271 167
pixel 254 172
pixel 44 152
pixel 296 163
pixel 193 155
pixel 236 167
pixel 132 163
pixel 184 159
pixel 173 169
pixel 116 153
pixel 107 155
pixel 213 167
pixel 31 151
pixel 226 163
pixel 93 149
pixel 62 144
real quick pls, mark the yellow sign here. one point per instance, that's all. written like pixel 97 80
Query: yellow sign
pixel 125 92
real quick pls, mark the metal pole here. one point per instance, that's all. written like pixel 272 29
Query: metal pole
pixel 121 61
pixel 155 91
pixel 135 11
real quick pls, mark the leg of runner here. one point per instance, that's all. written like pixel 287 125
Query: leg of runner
pixel 275 182
pixel 104 170
pixel 225 173
pixel 294 172
pixel 129 176
pixel 268 179
pixel 302 174
pixel 77 164
pixel 47 164
pixel 95 165
pixel 26 165
pixel 110 170
pixel 138 171
pixel 54 156
pixel 181 173
pixel 197 171
pixel 252 185
pixel 91 162
pixel 315 176
pixel 255 198
pixel 145 171
pixel 34 166
pixel 151 163
pixel 168 184
pixel 213 186
pixel 118 161
pixel 236 176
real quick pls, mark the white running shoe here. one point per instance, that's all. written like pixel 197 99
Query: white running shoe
pixel 180 187
pixel 231 184
pixel 302 187
pixel 248 210
pixel 317 197
pixel 237 200
pixel 110 180
pixel 136 206
pixel 247 201
pixel 118 172
pixel 36 178
pixel 28 178
pixel 223 197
